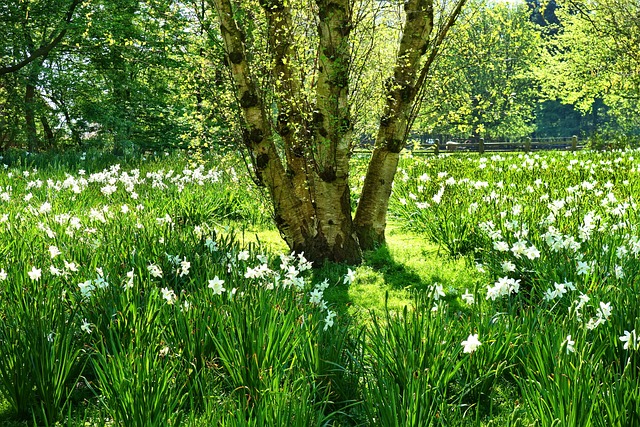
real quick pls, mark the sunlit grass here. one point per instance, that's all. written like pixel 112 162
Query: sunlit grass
pixel 500 276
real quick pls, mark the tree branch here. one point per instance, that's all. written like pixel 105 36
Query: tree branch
pixel 45 49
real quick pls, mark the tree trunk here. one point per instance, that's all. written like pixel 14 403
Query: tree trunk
pixel 50 137
pixel 308 178
pixel 30 116
pixel 404 93
pixel 311 195
pixel 371 216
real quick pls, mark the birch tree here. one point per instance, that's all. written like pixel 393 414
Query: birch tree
pixel 292 63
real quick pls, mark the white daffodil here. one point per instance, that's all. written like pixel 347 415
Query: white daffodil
pixel 630 340
pixel 471 344
pixel 216 285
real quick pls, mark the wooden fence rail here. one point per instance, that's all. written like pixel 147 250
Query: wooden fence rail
pixel 481 146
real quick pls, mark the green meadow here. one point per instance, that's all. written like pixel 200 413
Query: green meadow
pixel 155 291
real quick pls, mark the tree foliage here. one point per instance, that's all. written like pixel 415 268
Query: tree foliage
pixel 594 60
pixel 484 83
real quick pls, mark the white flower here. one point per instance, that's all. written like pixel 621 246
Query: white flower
pixel 70 266
pixel 55 271
pixel 316 297
pixel 467 297
pixel 184 267
pixel 323 285
pixel 581 301
pixel 349 277
pixel 519 248
pixel 502 287
pixel 559 290
pixel 168 295
pixel 45 208
pixel 129 283
pixel 501 246
pixel 86 326
pixel 216 285
pixel 604 311
pixel 54 251
pixel 243 255
pixel 583 268
pixel 328 321
pixel 154 270
pixel 594 323
pixel 35 273
pixel 630 340
pixel 532 252
pixel 211 244
pixel 437 291
pixel 471 344
pixel 100 282
pixel 86 288
pixel 508 267
pixel 570 344
pixel 3 275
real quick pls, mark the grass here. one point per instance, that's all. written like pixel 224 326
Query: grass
pixel 168 311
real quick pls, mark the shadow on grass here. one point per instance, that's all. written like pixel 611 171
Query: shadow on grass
pixel 396 274
pixel 378 275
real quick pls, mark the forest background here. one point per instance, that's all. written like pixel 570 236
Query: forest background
pixel 133 75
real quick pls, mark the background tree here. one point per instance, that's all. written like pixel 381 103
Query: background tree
pixel 593 62
pixel 125 74
pixel 31 30
pixel 483 84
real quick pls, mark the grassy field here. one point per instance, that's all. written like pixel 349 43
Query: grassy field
pixel 154 291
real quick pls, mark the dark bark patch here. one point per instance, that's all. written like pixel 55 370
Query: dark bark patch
pixel 424 48
pixel 330 222
pixel 329 9
pixel 262 161
pixel 382 182
pixel 248 100
pixel 298 151
pixel 335 7
pixel 323 132
pixel 341 79
pixel 394 145
pixel 385 121
pixel 283 124
pixel 330 52
pixel 256 135
pixel 328 174
pixel 318 118
pixel 280 222
pixel 345 29
pixel 406 93
pixel 236 57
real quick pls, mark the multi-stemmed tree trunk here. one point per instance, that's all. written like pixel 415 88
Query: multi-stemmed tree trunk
pixel 301 152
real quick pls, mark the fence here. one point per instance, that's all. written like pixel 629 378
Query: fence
pixel 421 145
pixel 481 146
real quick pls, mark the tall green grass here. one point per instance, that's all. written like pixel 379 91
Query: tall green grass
pixel 508 295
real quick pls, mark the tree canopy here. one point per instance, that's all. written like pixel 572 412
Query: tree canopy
pixel 295 85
